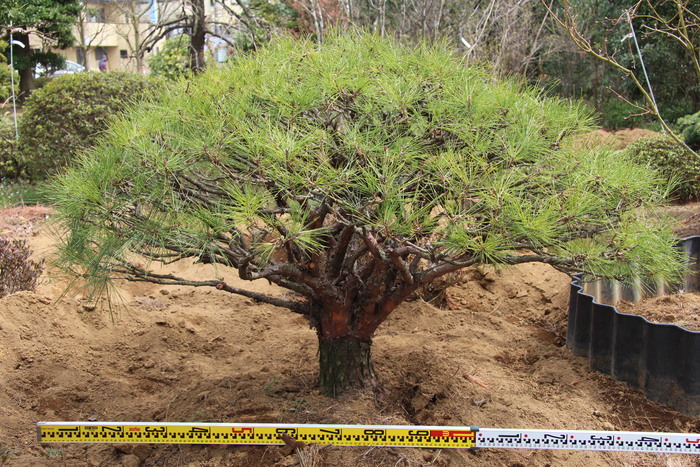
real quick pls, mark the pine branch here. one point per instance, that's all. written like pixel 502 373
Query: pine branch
pixel 136 274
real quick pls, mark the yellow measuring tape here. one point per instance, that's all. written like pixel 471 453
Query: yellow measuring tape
pixel 366 435
pixel 256 433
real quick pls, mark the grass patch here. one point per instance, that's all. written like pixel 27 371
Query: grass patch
pixel 22 194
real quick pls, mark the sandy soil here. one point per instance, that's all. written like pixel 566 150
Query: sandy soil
pixel 494 359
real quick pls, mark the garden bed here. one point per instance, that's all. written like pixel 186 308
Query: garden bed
pixel 655 357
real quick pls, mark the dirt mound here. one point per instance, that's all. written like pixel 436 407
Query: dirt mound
pixel 22 221
pixel 618 139
pixel 496 359
pixel 681 309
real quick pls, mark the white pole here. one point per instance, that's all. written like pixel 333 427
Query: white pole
pixel 641 60
pixel 12 83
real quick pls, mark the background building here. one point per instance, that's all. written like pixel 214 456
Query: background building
pixel 128 31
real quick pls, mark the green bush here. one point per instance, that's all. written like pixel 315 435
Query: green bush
pixel 6 83
pixel 689 127
pixel 173 60
pixel 674 161
pixel 10 166
pixel 5 76
pixel 41 81
pixel 618 114
pixel 69 113
pixel 17 270
pixel 351 174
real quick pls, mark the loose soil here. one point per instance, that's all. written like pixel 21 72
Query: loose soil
pixel 493 358
pixel 682 309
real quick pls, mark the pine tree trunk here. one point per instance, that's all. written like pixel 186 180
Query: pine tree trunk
pixel 345 363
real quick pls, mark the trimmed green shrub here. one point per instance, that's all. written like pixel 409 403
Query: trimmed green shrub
pixel 689 127
pixel 17 270
pixel 673 161
pixel 69 114
pixel 41 81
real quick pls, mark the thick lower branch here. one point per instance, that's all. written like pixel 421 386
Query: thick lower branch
pixel 136 275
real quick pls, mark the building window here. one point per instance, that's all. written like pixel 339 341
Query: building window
pixel 123 53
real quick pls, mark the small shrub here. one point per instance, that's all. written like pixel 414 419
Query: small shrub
pixel 172 60
pixel 673 161
pixel 689 127
pixel 10 165
pixel 69 113
pixel 6 76
pixel 17 270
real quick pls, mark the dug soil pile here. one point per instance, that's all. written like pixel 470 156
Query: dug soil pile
pixel 493 358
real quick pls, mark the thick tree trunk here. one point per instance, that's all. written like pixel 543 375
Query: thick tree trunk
pixel 345 324
pixel 345 363
pixel 26 75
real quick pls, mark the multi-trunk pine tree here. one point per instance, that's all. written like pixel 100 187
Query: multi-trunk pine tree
pixel 352 174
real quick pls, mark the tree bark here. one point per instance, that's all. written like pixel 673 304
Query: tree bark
pixel 26 75
pixel 344 344
pixel 345 363
pixel 198 38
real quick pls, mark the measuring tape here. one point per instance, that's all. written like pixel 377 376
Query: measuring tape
pixel 365 435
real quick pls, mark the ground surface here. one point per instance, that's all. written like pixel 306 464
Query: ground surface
pixel 496 359
pixel 682 309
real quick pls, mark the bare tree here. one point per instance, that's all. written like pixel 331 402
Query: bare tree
pixel 252 24
pixel 506 33
pixel 90 30
pixel 676 27
pixel 174 16
pixel 682 25
pixel 196 22
pixel 319 14
pixel 138 39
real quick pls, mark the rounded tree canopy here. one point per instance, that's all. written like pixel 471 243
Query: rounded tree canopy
pixel 315 167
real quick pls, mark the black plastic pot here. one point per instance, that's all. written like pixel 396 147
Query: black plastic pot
pixel 661 359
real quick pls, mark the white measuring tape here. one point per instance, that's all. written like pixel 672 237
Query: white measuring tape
pixel 366 435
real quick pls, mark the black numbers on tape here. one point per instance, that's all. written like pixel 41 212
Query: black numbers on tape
pixel 115 429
